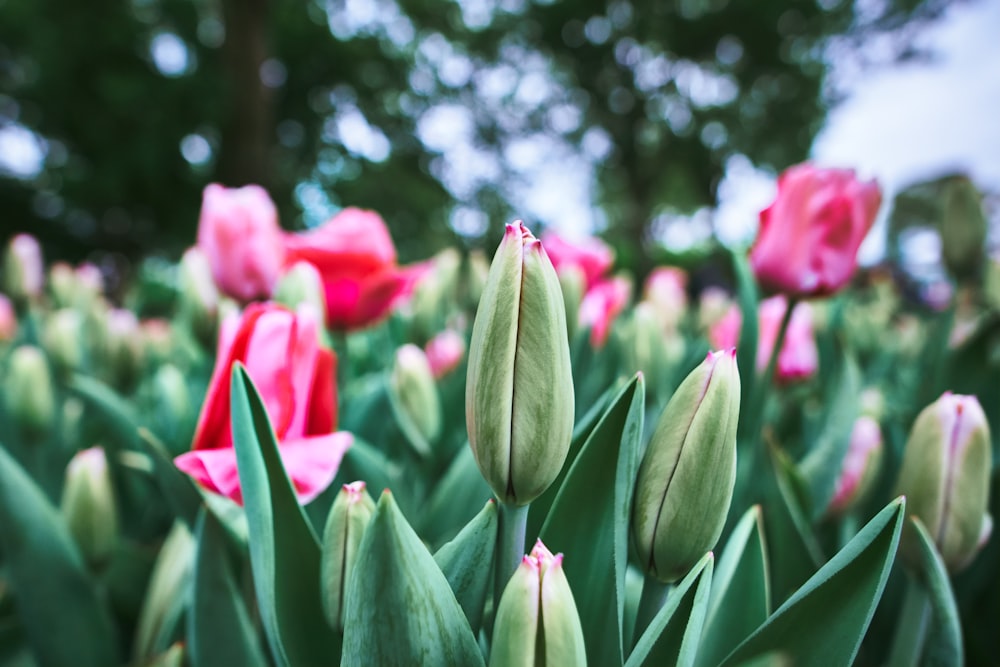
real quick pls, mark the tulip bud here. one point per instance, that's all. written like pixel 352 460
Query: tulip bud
pixel 345 525
pixel 28 390
pixel 714 304
pixel 199 302
pixel 573 283
pixel 157 341
pixel 171 395
pixel 963 228
pixel 88 505
pixel 687 474
pixel 122 345
pixel 302 283
pixel 861 465
pixel 644 344
pixel 23 269
pixel 416 394
pixel 444 352
pixel 63 339
pixel 168 590
pixel 62 284
pixel 519 390
pixel 537 622
pixel 666 291
pixel 432 297
pixel 478 271
pixel 89 283
pixel 946 478
pixel 8 319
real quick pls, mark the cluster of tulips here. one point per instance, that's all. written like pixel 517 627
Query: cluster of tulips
pixel 289 449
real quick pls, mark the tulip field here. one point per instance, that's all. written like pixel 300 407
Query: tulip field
pixel 292 449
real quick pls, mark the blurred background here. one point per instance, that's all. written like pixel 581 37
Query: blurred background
pixel 659 125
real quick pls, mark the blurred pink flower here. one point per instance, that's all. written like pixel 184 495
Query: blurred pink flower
pixel 8 319
pixel 809 237
pixel 866 441
pixel 601 305
pixel 592 256
pixel 26 253
pixel 356 258
pixel 444 352
pixel 239 233
pixel 666 289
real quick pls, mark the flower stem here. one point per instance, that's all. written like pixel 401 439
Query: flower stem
pixel 772 364
pixel 512 523
pixel 654 594
pixel 911 631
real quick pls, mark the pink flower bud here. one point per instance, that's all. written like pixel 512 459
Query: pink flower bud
pixel 444 352
pixel 24 270
pixel 590 255
pixel 601 305
pixel 666 290
pixel 8 319
pixel 860 467
pixel 239 233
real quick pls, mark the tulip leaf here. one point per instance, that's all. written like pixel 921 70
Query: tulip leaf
pixel 467 560
pixel 821 467
pixel 944 641
pixel 824 621
pixel 746 352
pixel 220 631
pixel 166 595
pixel 284 550
pixel 399 608
pixel 599 487
pixel 366 463
pixel 61 615
pixel 741 590
pixel 796 554
pixel 453 501
pixel 673 636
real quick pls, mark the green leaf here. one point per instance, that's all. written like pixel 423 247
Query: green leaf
pixel 599 487
pixel 220 631
pixel 364 462
pixel 62 617
pixel 824 622
pixel 821 466
pixel 284 550
pixel 399 608
pixel 741 590
pixel 672 637
pixel 944 639
pixel 746 353
pixel 166 595
pixel 453 501
pixel 467 562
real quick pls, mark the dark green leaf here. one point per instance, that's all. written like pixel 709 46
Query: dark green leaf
pixel 453 501
pixel 467 562
pixel 944 640
pixel 746 353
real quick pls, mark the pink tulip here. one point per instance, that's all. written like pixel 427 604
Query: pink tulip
pixel 666 289
pixel 601 305
pixel 27 275
pixel 859 466
pixel 239 233
pixel 798 358
pixel 357 260
pixel 8 319
pixel 592 256
pixel 295 377
pixel 809 237
pixel 444 352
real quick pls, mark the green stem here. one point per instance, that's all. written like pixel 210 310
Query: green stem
pixel 764 385
pixel 654 595
pixel 512 523
pixel 911 631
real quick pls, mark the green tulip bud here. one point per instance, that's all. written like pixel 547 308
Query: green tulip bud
pixel 23 269
pixel 122 345
pixel 573 283
pixel 519 391
pixel 28 390
pixel 946 478
pixel 345 525
pixel 170 391
pixel 686 477
pixel 433 296
pixel 645 344
pixel 537 622
pixel 963 228
pixel 167 594
pixel 300 284
pixel 88 505
pixel 415 393
pixel 478 271
pixel 860 467
pixel 199 303
pixel 63 339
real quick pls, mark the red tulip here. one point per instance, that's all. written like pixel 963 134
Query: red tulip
pixel 601 305
pixel 592 256
pixel 798 358
pixel 809 237
pixel 239 233
pixel 357 260
pixel 295 378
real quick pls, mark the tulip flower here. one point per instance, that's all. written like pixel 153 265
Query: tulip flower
pixel 537 622
pixel 860 468
pixel 592 256
pixel 946 478
pixel 519 393
pixel 798 358
pixel 239 233
pixel 88 505
pixel 809 237
pixel 295 377
pixel 686 477
pixel 601 305
pixel 357 260
pixel 444 352
pixel 23 268
pixel 345 526
pixel 666 291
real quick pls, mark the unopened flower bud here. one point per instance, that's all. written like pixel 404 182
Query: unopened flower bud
pixel 686 477
pixel 88 505
pixel 302 283
pixel 122 345
pixel 946 478
pixel 63 339
pixel 171 394
pixel 963 228
pixel 168 590
pixel 714 303
pixel 415 392
pixel 537 621
pixel 23 269
pixel 199 302
pixel 519 391
pixel 28 390
pixel 8 319
pixel 157 340
pixel 861 465
pixel 345 525
pixel 644 343
pixel 573 283
pixel 478 271
pixel 444 352
pixel 666 291
pixel 432 297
